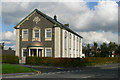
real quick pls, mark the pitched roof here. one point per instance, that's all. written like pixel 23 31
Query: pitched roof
pixel 51 20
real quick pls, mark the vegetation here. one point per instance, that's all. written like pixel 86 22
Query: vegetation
pixel 71 62
pixel 2 45
pixel 9 48
pixel 10 59
pixel 103 50
pixel 12 68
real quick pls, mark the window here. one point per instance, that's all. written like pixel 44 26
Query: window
pixel 48 34
pixel 65 40
pixel 36 33
pixel 80 45
pixel 77 44
pixel 70 40
pixel 24 52
pixel 25 34
pixel 48 52
pixel 74 42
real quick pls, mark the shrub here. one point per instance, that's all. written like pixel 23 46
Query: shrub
pixel 70 62
pixel 62 62
pixel 10 59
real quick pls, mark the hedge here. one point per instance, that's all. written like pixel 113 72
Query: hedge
pixel 10 59
pixel 70 62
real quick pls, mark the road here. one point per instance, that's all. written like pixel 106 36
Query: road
pixel 98 71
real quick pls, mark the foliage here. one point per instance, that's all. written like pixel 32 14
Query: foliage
pixel 70 62
pixel 12 68
pixel 103 50
pixel 61 62
pixel 9 48
pixel 10 59
pixel 2 45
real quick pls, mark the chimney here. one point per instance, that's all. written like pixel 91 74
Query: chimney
pixel 55 17
pixel 67 25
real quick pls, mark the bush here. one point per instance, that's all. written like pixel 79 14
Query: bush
pixel 70 62
pixel 10 59
pixel 62 62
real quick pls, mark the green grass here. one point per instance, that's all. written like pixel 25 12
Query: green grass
pixel 12 68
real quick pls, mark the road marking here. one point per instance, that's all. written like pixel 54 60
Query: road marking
pixel 86 77
pixel 68 71
pixel 58 72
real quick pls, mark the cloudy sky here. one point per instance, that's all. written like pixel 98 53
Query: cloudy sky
pixel 95 21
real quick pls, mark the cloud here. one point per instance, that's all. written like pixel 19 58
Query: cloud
pixel 99 37
pixel 77 14
pixel 8 35
pixel 9 38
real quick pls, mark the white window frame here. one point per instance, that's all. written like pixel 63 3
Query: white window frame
pixel 48 38
pixel 46 52
pixel 73 42
pixel 25 39
pixel 33 34
pixel 77 43
pixel 65 44
pixel 70 41
pixel 22 52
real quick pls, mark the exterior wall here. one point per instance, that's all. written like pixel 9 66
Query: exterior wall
pixel 17 42
pixel 76 45
pixel 30 25
pixel 81 48
pixel 57 42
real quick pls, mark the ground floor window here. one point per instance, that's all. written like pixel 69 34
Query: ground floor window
pixel 24 52
pixel 48 52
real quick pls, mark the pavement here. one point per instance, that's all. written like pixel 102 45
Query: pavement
pixel 97 71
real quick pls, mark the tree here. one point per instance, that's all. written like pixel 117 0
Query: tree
pixel 112 46
pixel 88 49
pixel 94 49
pixel 2 46
pixel 84 49
pixel 104 50
pixel 118 50
pixel 9 48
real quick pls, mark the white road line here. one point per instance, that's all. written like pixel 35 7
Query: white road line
pixel 68 71
pixel 44 73
pixel 58 72
pixel 86 77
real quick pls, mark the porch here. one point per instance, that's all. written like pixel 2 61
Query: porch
pixel 33 51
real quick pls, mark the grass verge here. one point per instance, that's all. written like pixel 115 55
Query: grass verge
pixel 12 68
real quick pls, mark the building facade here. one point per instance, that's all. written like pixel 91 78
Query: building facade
pixel 42 36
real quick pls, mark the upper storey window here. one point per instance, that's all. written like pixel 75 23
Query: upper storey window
pixel 48 34
pixel 36 34
pixel 24 34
